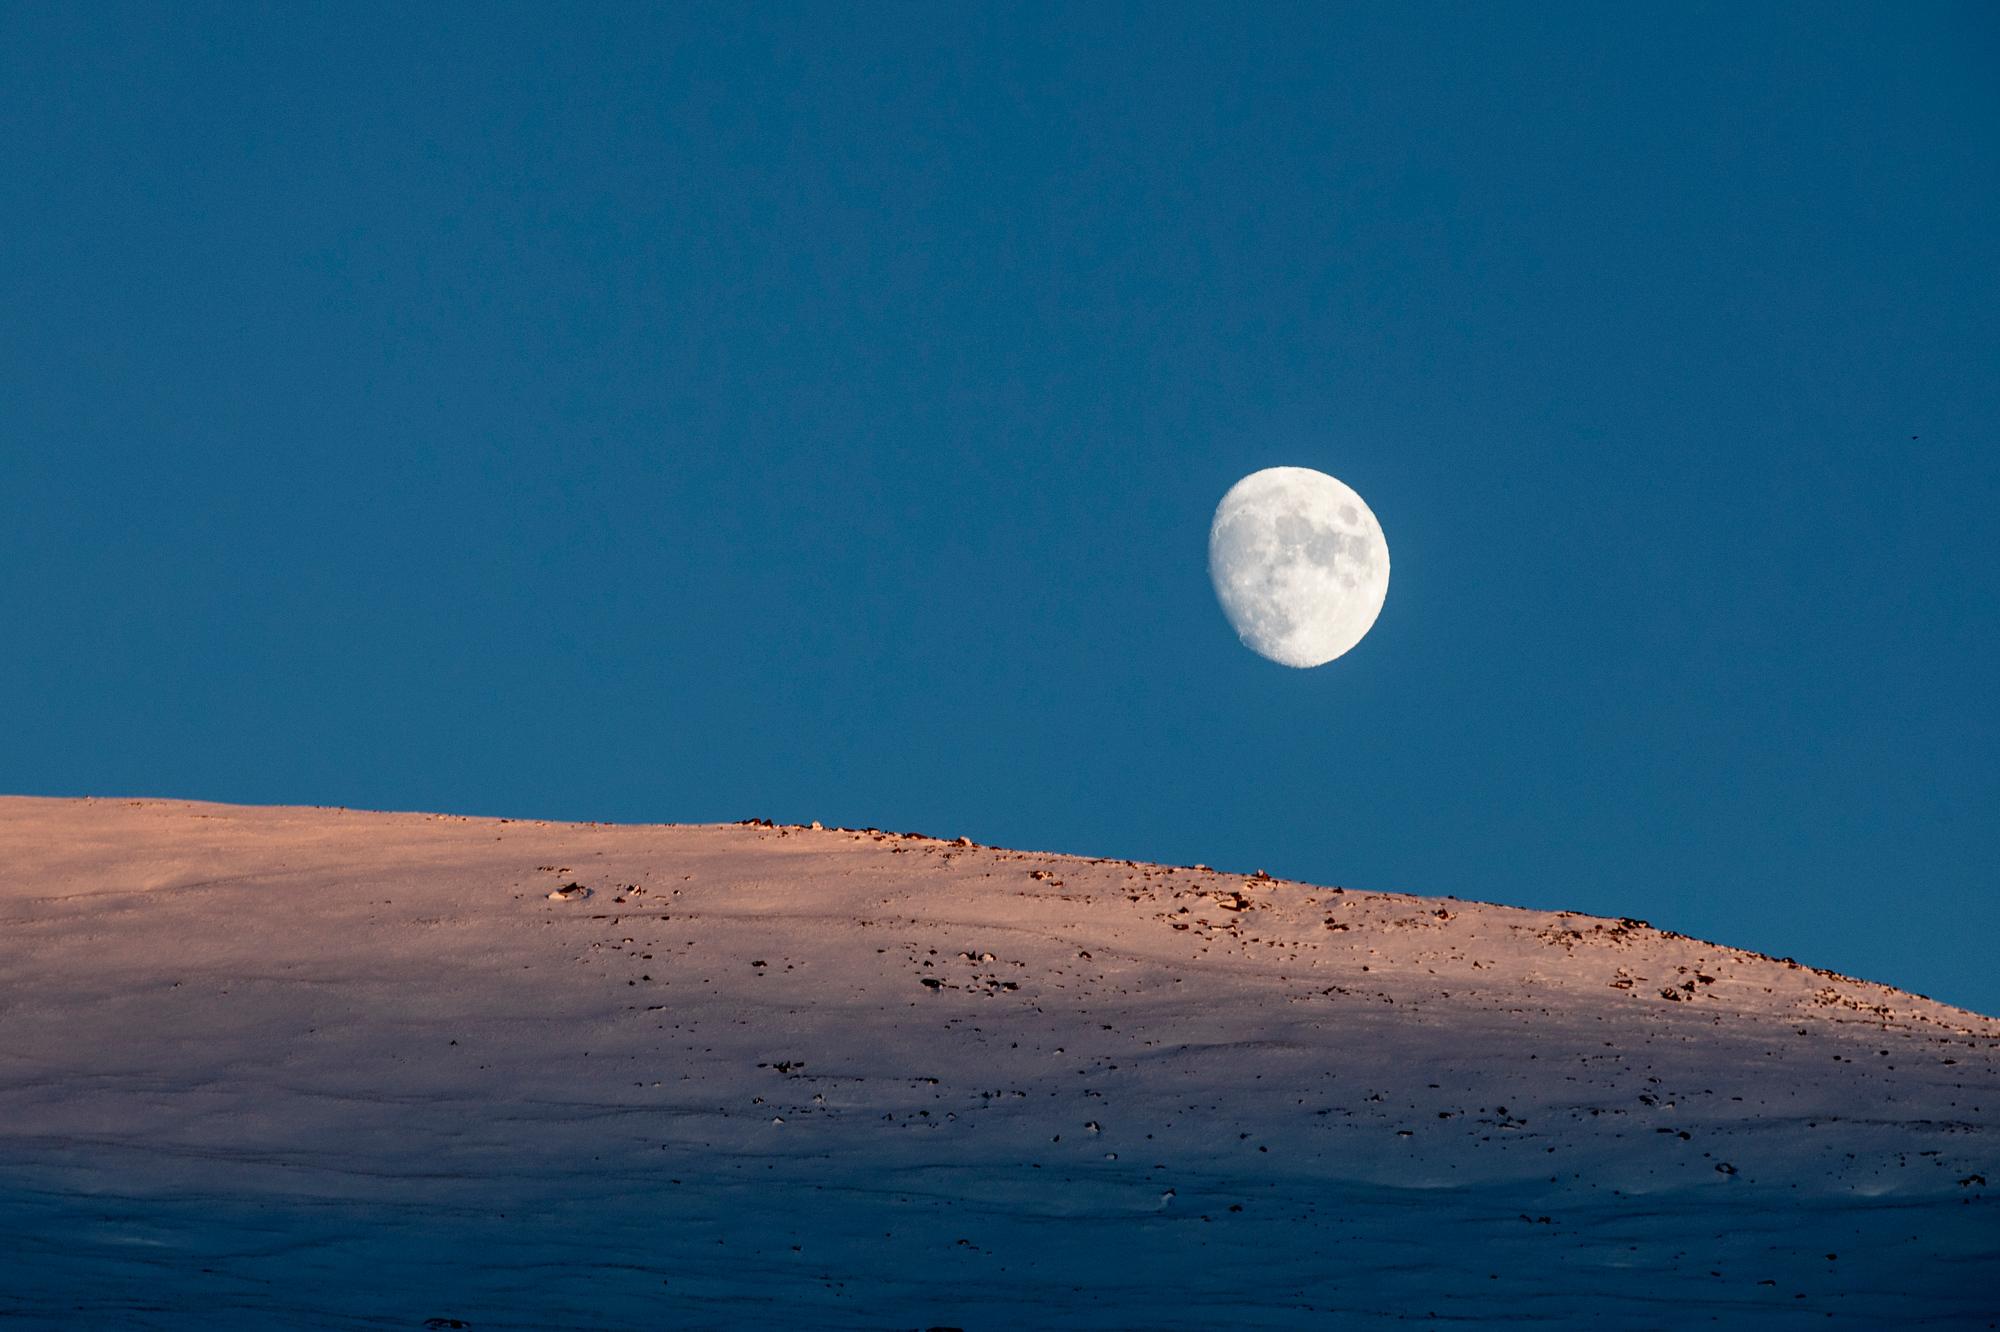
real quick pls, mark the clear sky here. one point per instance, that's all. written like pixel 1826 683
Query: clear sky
pixel 661 413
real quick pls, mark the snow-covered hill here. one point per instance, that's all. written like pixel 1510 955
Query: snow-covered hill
pixel 302 1067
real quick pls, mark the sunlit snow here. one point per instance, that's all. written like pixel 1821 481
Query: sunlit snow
pixel 321 1068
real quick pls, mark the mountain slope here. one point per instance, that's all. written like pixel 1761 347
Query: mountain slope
pixel 363 1070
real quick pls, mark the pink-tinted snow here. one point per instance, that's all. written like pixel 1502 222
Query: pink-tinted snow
pixel 308 1067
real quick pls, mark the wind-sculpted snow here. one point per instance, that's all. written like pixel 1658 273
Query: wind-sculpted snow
pixel 283 1067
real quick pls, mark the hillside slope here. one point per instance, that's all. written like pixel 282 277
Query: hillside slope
pixel 316 1067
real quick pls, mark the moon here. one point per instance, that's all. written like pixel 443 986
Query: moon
pixel 1299 564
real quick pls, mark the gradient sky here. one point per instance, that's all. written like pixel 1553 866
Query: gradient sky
pixel 662 413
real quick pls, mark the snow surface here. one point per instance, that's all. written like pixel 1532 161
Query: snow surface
pixel 302 1067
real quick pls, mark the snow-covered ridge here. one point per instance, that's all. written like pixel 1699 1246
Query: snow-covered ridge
pixel 364 1069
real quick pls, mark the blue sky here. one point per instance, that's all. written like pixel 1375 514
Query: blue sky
pixel 663 413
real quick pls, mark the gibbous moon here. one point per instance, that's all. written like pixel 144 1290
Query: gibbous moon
pixel 1299 565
